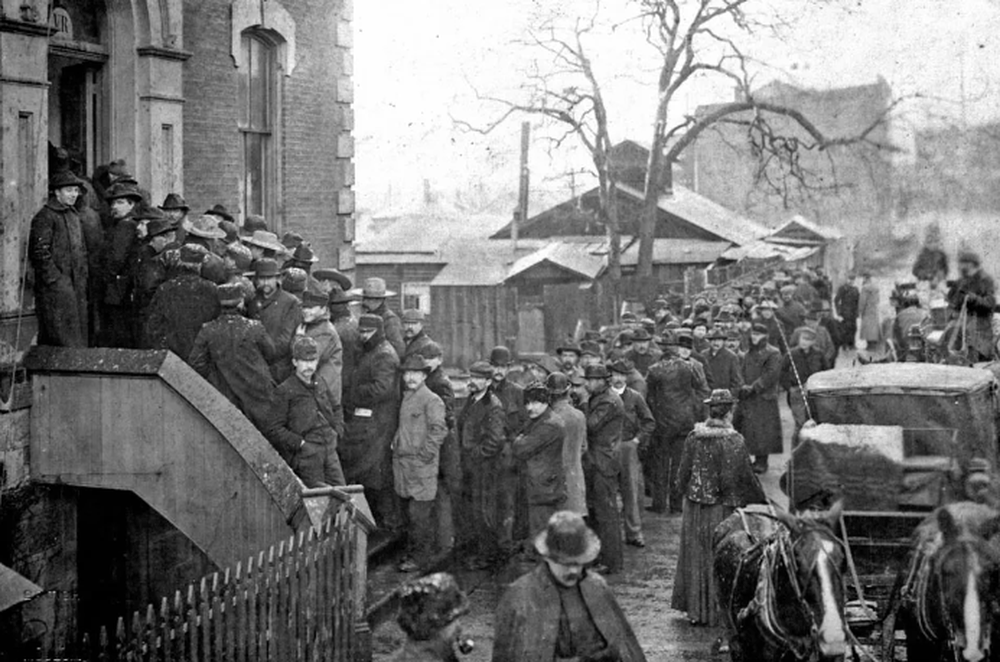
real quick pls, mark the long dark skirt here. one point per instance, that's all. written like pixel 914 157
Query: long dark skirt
pixel 694 583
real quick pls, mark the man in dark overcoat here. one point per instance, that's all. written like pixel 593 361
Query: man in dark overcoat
pixel 231 352
pixel 976 292
pixel 722 367
pixel 316 324
pixel 300 420
pixel 758 419
pixel 58 252
pixel 480 429
pixel 846 304
pixel 118 325
pixel 413 332
pixel 371 422
pixel 181 305
pixel 775 330
pixel 538 450
pixel 562 609
pixel 637 430
pixel 151 267
pixel 676 389
pixel 513 512
pixel 347 328
pixel 602 463
pixel 278 311
pixel 373 301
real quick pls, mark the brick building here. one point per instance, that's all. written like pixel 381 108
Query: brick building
pixel 241 102
pixel 850 186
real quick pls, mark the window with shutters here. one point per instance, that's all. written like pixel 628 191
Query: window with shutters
pixel 258 122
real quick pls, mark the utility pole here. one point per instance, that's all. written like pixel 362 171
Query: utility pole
pixel 521 214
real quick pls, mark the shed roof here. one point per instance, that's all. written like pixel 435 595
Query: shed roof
pixel 800 231
pixel 677 251
pixel 585 260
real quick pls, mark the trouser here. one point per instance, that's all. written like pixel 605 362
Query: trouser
pixel 602 495
pixel 666 453
pixel 630 482
pixel 798 407
pixel 318 464
pixel 444 517
pixel 477 531
pixel 507 490
pixel 419 517
pixel 449 492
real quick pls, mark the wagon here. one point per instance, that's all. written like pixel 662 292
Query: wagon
pixel 894 441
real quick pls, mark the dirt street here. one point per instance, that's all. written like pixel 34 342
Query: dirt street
pixel 643 590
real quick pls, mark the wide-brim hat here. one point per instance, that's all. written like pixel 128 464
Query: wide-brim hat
pixel 304 253
pixel 174 201
pixel 265 268
pixel 622 366
pixel 123 190
pixel 641 334
pixel 264 239
pixel 374 288
pixel 291 240
pixel 567 539
pixel 340 296
pixel 312 298
pixel 221 212
pixel 415 362
pixel 158 226
pixel 62 179
pixel 338 277
pixel 254 222
pixel 204 226
pixel 598 371
pixel 720 396
pixel 569 347
pixel 590 347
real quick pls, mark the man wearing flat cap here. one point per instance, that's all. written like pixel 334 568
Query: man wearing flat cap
pixel 481 437
pixel 602 463
pixel 373 301
pixel 231 352
pixel 414 334
pixel 791 313
pixel 300 421
pixel 538 450
pixel 757 417
pixel 58 252
pixel 372 413
pixel 975 292
pixel 316 324
pixel 416 455
pixel 181 305
pixel 561 609
pixel 279 312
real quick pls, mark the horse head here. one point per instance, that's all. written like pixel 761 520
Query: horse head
pixel 818 566
pixel 966 571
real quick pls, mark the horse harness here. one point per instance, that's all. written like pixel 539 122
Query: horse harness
pixel 763 608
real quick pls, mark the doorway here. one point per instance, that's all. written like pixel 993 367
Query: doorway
pixel 77 110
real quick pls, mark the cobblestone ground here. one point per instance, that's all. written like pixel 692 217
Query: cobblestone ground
pixel 643 589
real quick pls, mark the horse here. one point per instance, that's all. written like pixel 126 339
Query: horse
pixel 951 585
pixel 780 585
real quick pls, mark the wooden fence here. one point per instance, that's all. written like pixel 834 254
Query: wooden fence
pixel 301 600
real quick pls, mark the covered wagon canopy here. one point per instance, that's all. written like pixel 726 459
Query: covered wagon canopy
pixel 914 396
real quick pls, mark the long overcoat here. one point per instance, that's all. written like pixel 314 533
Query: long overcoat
pixel 480 428
pixel 331 362
pixel 979 293
pixel 179 308
pixel 527 619
pixel 231 352
pixel 539 448
pixel 281 314
pixel 676 390
pixel 759 419
pixel 723 370
pixel 58 253
pixel 416 448
pixel 574 446
pixel 371 424
pixel 868 304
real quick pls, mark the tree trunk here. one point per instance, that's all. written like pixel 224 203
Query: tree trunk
pixel 650 204
pixel 614 253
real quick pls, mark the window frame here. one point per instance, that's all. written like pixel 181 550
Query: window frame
pixel 421 290
pixel 269 132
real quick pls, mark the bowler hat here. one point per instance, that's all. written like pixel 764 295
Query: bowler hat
pixel 204 226
pixel 158 226
pixel 312 298
pixel 481 369
pixel 500 356
pixel 413 315
pixel 567 539
pixel 374 288
pixel 733 334
pixel 414 362
pixel 569 347
pixel 596 371
pixel 685 340
pixel 146 213
pixel 590 347
pixel 230 294
pixel 232 232
pixel 253 223
pixel 429 604
pixel 122 190
pixel 368 322
pixel 305 349
pixel 536 392
pixel 641 335
pixel 174 201
pixel 622 366
pixel 303 253
pixel 720 396
pixel 340 296
pixel 557 383
pixel 62 179
pixel 338 277
pixel 264 239
pixel 220 211
pixel 265 267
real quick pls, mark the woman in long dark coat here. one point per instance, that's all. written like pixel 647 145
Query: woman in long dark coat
pixel 57 249
pixel 717 478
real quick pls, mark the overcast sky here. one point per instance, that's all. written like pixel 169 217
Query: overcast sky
pixel 416 65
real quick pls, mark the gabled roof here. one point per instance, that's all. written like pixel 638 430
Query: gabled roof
pixel 765 250
pixel 800 231
pixel 584 261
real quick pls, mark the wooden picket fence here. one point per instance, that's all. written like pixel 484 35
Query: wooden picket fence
pixel 296 602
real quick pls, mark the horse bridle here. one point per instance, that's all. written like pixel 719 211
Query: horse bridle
pixel 764 603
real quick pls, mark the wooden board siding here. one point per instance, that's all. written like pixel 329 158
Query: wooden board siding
pixel 173 440
pixel 469 321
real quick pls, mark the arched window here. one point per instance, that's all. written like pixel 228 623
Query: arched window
pixel 258 122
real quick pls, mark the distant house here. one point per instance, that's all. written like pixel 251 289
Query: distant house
pixel 851 186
